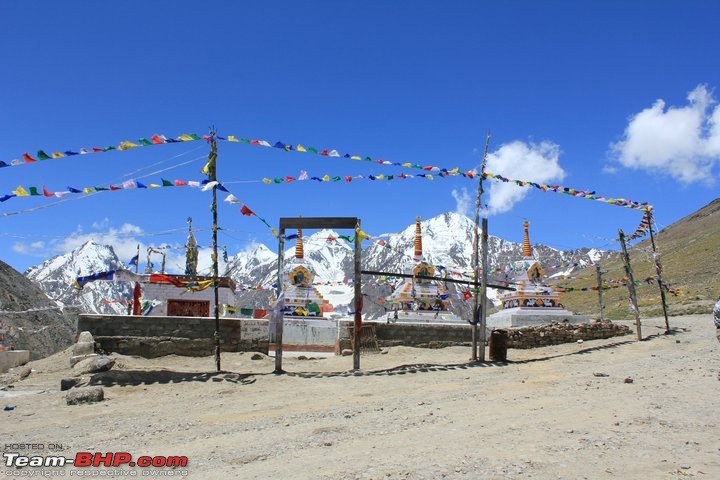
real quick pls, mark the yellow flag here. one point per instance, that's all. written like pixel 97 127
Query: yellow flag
pixel 275 232
pixel 380 177
pixel 429 177
pixel 232 138
pixel 408 165
pixel 88 190
pixel 363 235
pixel 355 157
pixel 185 137
pixel 326 178
pixel 153 185
pixel 20 191
pixel 454 171
pixel 267 181
pixel 127 145
pixel 58 155
pixel 300 148
pixel 206 169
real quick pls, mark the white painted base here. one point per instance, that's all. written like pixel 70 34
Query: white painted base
pixel 525 317
pixel 13 358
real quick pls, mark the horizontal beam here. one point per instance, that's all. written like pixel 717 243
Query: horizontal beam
pixel 439 279
pixel 318 222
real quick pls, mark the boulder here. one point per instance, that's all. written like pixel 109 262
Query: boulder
pixel 77 396
pixel 98 363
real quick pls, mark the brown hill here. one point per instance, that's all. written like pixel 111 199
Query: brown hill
pixel 689 251
pixel 29 320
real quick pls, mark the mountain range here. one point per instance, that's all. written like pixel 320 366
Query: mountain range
pixel 446 238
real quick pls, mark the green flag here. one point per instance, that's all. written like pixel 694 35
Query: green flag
pixel 33 191
pixel 145 142
pixel 43 156
pixel 167 183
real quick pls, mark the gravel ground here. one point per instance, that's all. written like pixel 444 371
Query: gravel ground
pixel 614 408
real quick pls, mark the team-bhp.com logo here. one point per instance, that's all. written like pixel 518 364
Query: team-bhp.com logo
pixel 87 459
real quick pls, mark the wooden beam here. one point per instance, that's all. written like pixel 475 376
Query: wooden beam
pixel 318 222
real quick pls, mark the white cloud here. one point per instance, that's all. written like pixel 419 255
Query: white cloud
pixel 463 201
pixel 683 142
pixel 521 161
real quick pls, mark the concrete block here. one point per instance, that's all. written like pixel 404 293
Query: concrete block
pixel 13 358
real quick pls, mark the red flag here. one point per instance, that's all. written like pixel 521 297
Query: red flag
pixel 46 193
pixel 157 139
pixel 137 292
pixel 246 211
pixel 96 150
pixel 113 188
pixel 28 158
pixel 289 179
pixel 180 183
pixel 324 152
pixel 466 295
pixel 348 179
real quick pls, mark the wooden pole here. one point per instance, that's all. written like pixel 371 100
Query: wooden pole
pixel 600 292
pixel 658 269
pixel 137 259
pixel 212 176
pixel 279 325
pixel 478 201
pixel 358 300
pixel 630 284
pixel 483 289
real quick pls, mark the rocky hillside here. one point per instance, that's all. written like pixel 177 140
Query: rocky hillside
pixel 689 251
pixel 29 320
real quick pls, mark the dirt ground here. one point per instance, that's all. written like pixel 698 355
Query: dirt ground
pixel 614 408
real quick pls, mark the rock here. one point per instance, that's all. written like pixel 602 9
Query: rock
pixel 98 363
pixel 598 374
pixel 257 356
pixel 302 357
pixel 68 383
pixel 24 372
pixel 628 380
pixel 347 352
pixel 79 358
pixel 85 337
pixel 77 396
pixel 83 348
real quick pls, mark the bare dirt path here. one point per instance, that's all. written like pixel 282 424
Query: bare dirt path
pixel 556 412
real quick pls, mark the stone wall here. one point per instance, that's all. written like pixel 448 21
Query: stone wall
pixel 157 336
pixel 556 333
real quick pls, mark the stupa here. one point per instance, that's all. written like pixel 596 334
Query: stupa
pixel 419 300
pixel 534 302
pixel 302 299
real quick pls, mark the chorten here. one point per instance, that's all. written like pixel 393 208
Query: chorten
pixel 533 302
pixel 301 298
pixel 418 299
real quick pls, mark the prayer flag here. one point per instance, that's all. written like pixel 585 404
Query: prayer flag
pixel 43 156
pixel 20 192
pixel 246 211
pixel 28 158
pixel 167 183
pixel 34 191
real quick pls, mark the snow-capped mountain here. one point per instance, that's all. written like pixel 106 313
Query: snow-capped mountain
pixel 56 276
pixel 446 239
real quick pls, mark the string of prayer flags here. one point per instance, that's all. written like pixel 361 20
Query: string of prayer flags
pixel 126 185
pixel 122 146
pixel 643 228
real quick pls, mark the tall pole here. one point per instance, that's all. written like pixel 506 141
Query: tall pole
pixel 600 291
pixel 358 299
pixel 478 200
pixel 658 269
pixel 630 284
pixel 278 324
pixel 137 259
pixel 212 175
pixel 483 289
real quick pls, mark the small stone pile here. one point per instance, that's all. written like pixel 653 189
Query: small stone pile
pixel 557 333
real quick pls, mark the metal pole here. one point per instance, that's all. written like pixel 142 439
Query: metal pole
pixel 600 300
pixel 358 300
pixel 658 269
pixel 212 175
pixel 630 285
pixel 279 325
pixel 483 290
pixel 478 199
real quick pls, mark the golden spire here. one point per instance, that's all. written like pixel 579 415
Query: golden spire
pixel 527 250
pixel 418 240
pixel 299 253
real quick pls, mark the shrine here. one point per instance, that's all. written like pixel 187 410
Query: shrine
pixel 419 299
pixel 533 302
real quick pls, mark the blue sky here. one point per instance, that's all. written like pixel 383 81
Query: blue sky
pixel 615 97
